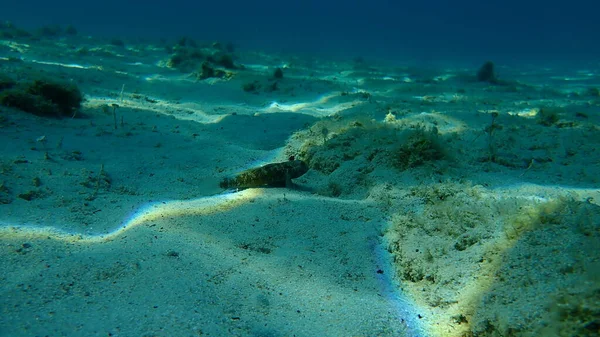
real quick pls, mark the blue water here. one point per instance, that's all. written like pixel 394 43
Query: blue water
pixel 508 31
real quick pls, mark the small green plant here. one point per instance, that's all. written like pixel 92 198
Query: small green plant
pixel 224 60
pixel 186 58
pixel 208 71
pixel 420 147
pixel 31 195
pixel 547 116
pixel 102 181
pixel 490 130
pixel 252 87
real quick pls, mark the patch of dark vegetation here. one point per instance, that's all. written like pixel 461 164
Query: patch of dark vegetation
pixel 254 247
pixel 487 73
pixel 117 42
pixel 278 74
pixel 186 59
pixel 370 145
pixel 548 116
pixel 187 56
pixel 267 86
pixel 49 31
pixel 9 31
pixel 420 147
pixel 363 95
pixel 44 98
pixel 31 195
pixel 208 71
pixel 222 59
pixel 252 87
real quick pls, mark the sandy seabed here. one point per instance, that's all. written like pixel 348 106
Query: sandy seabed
pixel 435 204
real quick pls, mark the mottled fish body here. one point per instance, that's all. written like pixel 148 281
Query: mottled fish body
pixel 270 175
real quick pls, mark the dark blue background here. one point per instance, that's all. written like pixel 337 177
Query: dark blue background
pixel 532 30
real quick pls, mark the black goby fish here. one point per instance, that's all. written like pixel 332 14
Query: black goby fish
pixel 270 175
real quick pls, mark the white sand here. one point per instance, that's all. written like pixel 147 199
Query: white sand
pixel 128 233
